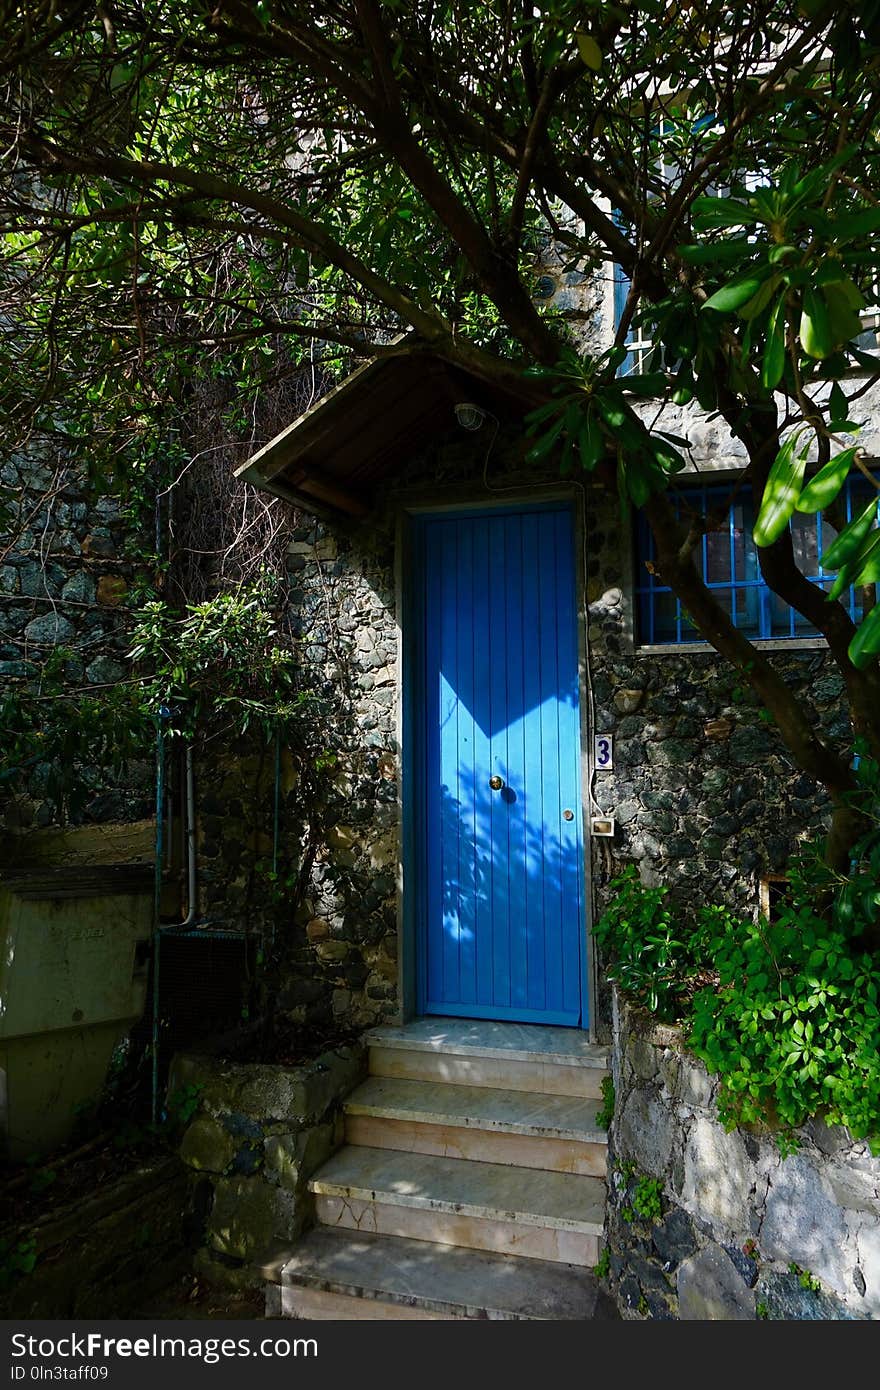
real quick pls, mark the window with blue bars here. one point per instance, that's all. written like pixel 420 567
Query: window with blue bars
pixel 727 560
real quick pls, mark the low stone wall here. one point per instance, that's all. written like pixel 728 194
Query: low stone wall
pixel 738 1232
pixel 103 1254
pixel 257 1135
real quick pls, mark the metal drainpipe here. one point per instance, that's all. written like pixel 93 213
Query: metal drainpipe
pixel 190 834
pixel 158 929
pixel 276 819
pixel 162 715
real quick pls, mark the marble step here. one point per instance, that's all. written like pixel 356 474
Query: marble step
pixel 557 1133
pixel 357 1275
pixel 456 1201
pixel 505 1056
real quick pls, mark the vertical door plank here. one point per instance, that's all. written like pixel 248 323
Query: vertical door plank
pixel 571 865
pixel 448 984
pixel 483 531
pixel 549 981
pixel 533 621
pixel 467 839
pixel 519 664
pixel 505 700
pixel 432 854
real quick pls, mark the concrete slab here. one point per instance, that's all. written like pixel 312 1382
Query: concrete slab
pixel 527 1196
pixel 479 1107
pixel 513 1041
pixel 474 1069
pixel 370 1276
pixel 484 1145
pixel 506 1235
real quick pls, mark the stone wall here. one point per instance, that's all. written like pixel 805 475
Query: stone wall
pixel 257 1134
pixel 65 573
pixel 102 1254
pixel 341 964
pixel 706 796
pixel 741 1232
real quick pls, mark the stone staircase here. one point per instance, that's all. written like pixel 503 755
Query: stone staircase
pixel 471 1183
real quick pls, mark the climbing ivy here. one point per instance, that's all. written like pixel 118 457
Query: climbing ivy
pixel 786 1012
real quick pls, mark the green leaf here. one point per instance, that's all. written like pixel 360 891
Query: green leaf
pixel 830 272
pixel 824 487
pixel 867 566
pixel 783 488
pixel 815 327
pixel 841 583
pixel 668 458
pixel 758 303
pixel 855 224
pixel 846 546
pixel 722 212
pixel 614 413
pixel 844 319
pixel 773 362
pixel 869 360
pixel 716 252
pixel 646 384
pixel 837 403
pixel 865 644
pixel 591 442
pixel 738 291
pixel 638 480
pixel 545 443
pixel 591 53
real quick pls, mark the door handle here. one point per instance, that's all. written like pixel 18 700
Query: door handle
pixel 496 782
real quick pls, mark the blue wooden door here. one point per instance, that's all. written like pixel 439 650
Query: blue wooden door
pixel 501 866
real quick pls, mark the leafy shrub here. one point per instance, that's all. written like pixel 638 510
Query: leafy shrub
pixel 791 1020
pixel 793 1028
pixel 651 956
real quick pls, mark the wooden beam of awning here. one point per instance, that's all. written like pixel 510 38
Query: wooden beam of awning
pixel 310 492
pixel 316 483
pixel 352 441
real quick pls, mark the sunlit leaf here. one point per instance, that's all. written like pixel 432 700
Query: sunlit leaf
pixel 781 492
pixel 847 544
pixel 591 53
pixel 822 489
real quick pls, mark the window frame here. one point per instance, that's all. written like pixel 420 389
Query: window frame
pixel 644 589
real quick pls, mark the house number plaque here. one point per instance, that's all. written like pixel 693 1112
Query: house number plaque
pixel 603 754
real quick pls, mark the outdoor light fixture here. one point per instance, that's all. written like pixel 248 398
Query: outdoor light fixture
pixel 469 416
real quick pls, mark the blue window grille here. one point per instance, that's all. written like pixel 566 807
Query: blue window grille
pixel 727 560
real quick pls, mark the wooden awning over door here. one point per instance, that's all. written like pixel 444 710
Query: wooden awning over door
pixel 332 459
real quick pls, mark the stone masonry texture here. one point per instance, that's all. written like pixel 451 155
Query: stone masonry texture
pixel 742 1232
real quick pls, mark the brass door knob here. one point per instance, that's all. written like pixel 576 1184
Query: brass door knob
pixel 496 782
pixel 568 815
